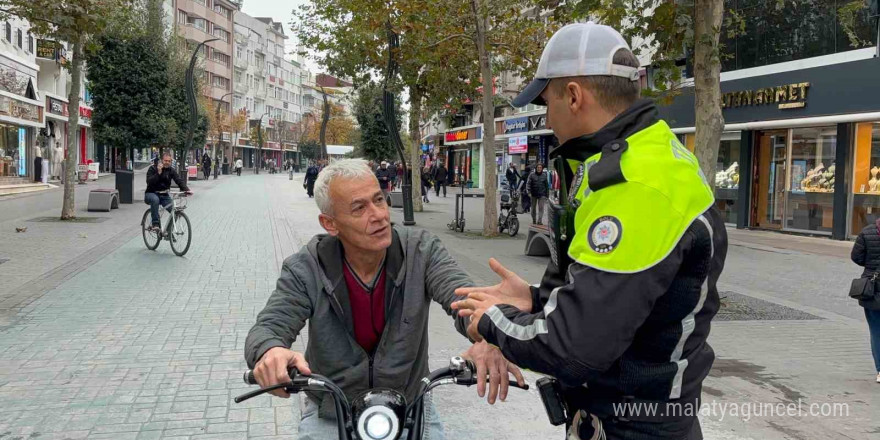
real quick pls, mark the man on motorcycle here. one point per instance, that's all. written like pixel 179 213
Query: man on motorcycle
pixel 365 289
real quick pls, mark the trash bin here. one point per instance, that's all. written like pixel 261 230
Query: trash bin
pixel 225 169
pixel 125 185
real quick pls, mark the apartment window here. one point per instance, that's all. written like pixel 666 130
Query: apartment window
pixel 8 32
pixel 201 2
pixel 238 52
pixel 182 17
pixel 219 81
pixel 221 58
pixel 19 39
pixel 198 23
pixel 271 91
pixel 220 33
pixel 221 10
pixel 30 46
pixel 236 102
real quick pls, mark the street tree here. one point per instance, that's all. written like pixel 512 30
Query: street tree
pixel 339 128
pixel 310 149
pixel 667 32
pixel 437 56
pixel 375 142
pixel 77 23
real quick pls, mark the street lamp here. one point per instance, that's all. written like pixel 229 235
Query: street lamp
pixel 193 105
pixel 219 134
pixel 389 111
pixel 259 143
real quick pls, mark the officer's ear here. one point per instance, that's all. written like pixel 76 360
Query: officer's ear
pixel 580 96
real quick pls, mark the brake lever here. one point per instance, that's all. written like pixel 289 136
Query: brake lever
pixel 289 387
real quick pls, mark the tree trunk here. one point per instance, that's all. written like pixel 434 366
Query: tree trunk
pixel 707 85
pixel 68 207
pixel 415 159
pixel 324 121
pixel 490 209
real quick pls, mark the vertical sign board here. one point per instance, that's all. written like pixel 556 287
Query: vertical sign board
pixel 22 151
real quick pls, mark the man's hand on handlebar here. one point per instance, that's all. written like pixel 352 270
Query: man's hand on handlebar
pixel 488 360
pixel 273 366
pixel 188 193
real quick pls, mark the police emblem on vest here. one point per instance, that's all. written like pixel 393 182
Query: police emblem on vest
pixel 605 234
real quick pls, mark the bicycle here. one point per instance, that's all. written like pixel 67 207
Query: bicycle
pixel 175 228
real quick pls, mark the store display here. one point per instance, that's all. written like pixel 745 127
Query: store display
pixel 820 179
pixel 729 178
pixel 874 182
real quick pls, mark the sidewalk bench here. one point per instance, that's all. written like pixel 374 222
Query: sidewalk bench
pixel 103 199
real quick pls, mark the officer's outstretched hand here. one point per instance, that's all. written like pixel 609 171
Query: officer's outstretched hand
pixel 511 290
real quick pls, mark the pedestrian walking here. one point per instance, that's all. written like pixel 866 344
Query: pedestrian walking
pixel 524 179
pixel 426 184
pixel 441 175
pixel 383 174
pixel 206 165
pixel 866 253
pixel 539 189
pixel 512 176
pixel 238 166
pixel 311 176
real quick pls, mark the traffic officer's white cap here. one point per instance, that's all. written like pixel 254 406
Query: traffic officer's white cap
pixel 579 49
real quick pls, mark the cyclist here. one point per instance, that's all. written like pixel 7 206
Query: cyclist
pixel 159 177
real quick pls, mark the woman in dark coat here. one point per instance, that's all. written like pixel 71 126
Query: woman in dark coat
pixel 311 177
pixel 526 200
pixel 866 253
pixel 206 165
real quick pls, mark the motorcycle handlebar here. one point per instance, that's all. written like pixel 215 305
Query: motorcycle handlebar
pixel 250 379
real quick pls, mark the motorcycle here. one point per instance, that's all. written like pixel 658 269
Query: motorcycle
pixel 381 413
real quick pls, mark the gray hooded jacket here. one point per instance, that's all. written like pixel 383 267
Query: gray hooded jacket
pixel 312 288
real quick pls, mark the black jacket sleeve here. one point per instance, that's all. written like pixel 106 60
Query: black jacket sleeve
pixel 152 176
pixel 859 251
pixel 584 325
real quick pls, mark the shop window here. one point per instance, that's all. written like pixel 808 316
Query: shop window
pixel 727 176
pixel 812 174
pixel 866 176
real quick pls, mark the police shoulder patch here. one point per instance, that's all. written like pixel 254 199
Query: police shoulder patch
pixel 605 234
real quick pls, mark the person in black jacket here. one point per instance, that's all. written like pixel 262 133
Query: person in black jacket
pixel 539 188
pixel 512 176
pixel 206 165
pixel 383 174
pixel 311 177
pixel 159 177
pixel 866 253
pixel 440 177
pixel 524 196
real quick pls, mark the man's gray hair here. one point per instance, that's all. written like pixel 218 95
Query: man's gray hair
pixel 344 169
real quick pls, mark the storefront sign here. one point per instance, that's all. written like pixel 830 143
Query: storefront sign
pixel 518 145
pixel 537 122
pixel 19 109
pixel 454 136
pixel 56 106
pixel 47 49
pixel 790 96
pixel 517 125
pixel 22 147
pixel 85 115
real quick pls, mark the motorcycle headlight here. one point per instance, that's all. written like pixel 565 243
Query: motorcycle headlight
pixel 379 414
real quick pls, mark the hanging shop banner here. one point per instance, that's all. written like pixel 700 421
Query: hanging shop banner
pixel 518 145
pixel 517 125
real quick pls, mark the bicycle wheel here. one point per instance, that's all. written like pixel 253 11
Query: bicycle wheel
pixel 151 238
pixel 181 236
pixel 513 225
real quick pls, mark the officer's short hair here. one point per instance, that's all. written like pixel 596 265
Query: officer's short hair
pixel 615 94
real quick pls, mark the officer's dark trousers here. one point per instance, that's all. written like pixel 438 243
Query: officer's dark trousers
pixel 650 431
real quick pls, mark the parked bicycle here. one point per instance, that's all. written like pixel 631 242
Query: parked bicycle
pixel 173 227
pixel 377 414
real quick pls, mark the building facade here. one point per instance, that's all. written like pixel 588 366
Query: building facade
pixel 800 150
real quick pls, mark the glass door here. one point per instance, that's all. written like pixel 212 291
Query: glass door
pixel 770 178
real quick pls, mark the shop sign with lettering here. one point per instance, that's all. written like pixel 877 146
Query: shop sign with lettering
pixel 18 109
pixel 455 136
pixel 788 96
pixel 517 125
pixel 518 145
pixel 56 106
pixel 537 122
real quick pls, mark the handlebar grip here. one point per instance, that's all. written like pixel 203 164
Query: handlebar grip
pixel 250 379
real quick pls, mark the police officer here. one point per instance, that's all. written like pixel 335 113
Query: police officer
pixel 622 314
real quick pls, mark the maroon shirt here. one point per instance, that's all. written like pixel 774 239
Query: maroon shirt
pixel 367 308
